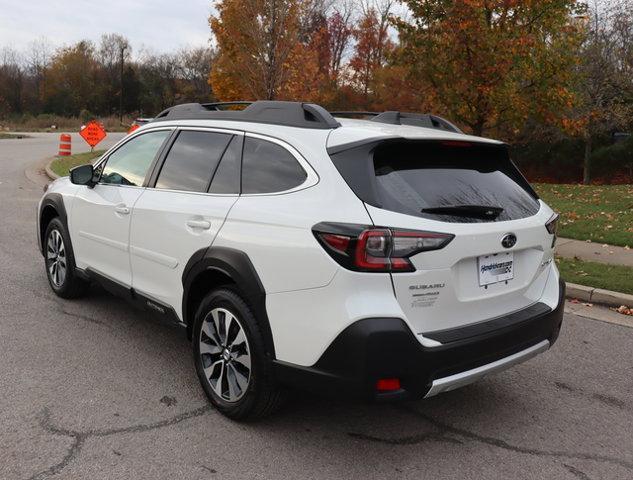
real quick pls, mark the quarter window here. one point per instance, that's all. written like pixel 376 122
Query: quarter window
pixel 128 165
pixel 268 167
pixel 192 160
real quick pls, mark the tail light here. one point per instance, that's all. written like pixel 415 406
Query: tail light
pixel 370 249
pixel 552 227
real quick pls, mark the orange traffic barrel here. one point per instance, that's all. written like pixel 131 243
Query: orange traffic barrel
pixel 64 145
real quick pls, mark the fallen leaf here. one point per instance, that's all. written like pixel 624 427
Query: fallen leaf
pixel 624 310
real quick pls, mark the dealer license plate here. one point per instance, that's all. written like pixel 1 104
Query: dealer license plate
pixel 495 268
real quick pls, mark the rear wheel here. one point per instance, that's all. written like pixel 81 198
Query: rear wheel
pixel 60 262
pixel 230 357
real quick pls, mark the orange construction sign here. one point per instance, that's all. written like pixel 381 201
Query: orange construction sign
pixel 93 133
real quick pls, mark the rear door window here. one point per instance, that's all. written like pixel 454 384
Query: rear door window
pixel 227 176
pixel 446 181
pixel 192 160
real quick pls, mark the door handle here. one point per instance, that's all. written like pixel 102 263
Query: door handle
pixel 201 224
pixel 122 209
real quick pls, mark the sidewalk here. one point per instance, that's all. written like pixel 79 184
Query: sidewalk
pixel 594 252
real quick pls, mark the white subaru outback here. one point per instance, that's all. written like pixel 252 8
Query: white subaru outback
pixel 387 258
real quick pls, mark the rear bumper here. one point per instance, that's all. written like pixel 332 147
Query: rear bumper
pixel 378 348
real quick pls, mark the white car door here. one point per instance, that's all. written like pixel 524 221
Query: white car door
pixel 100 217
pixel 182 211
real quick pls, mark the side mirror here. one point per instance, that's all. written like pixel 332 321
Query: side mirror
pixel 82 175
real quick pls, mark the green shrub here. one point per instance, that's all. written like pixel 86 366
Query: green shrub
pixel 614 158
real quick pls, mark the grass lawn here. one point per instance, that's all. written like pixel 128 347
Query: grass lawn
pixel 4 135
pixel 598 213
pixel 591 274
pixel 62 165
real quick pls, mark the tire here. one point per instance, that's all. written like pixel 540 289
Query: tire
pixel 60 262
pixel 227 341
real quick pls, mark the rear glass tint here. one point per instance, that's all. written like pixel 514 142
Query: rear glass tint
pixel 193 158
pixel 451 182
pixel 268 167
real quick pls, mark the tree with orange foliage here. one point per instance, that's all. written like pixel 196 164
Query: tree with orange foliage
pixel 373 45
pixel 255 41
pixel 263 52
pixel 493 63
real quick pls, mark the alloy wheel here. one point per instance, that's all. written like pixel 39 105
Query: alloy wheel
pixel 56 258
pixel 225 354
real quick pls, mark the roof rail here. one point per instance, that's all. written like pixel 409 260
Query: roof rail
pixel 354 114
pixel 404 118
pixel 219 105
pixel 292 114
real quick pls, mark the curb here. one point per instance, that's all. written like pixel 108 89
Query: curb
pixel 598 295
pixel 47 168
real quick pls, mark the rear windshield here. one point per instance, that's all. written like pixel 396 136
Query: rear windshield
pixel 446 181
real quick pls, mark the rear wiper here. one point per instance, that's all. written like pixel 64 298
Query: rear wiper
pixel 470 211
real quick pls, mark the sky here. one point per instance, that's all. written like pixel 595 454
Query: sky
pixel 158 25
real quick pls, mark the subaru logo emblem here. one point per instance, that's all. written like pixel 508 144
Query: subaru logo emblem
pixel 509 240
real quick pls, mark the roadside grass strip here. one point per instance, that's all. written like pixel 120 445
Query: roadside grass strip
pixel 62 165
pixel 598 275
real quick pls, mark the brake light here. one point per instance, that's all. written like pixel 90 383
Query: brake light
pixel 456 143
pixel 370 249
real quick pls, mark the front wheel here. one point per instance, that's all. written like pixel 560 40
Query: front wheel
pixel 230 357
pixel 60 263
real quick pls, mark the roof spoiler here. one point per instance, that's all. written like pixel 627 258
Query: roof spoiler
pixel 426 120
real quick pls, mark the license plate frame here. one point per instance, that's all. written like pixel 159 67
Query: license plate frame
pixel 495 268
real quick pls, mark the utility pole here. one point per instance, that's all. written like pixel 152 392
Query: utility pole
pixel 121 85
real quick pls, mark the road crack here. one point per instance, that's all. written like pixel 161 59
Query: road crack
pixel 449 433
pixel 445 428
pixel 576 472
pixel 411 440
pixel 79 437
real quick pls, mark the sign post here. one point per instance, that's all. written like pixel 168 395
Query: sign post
pixel 93 133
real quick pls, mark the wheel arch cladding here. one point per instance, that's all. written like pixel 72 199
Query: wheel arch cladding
pixel 214 266
pixel 52 206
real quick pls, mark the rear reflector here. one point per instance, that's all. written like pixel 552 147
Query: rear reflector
pixel 388 384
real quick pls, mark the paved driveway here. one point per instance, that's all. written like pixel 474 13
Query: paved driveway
pixel 93 389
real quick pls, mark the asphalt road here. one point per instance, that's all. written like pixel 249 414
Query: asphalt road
pixel 93 389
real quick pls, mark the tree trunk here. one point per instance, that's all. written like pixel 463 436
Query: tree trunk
pixel 478 127
pixel 586 170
